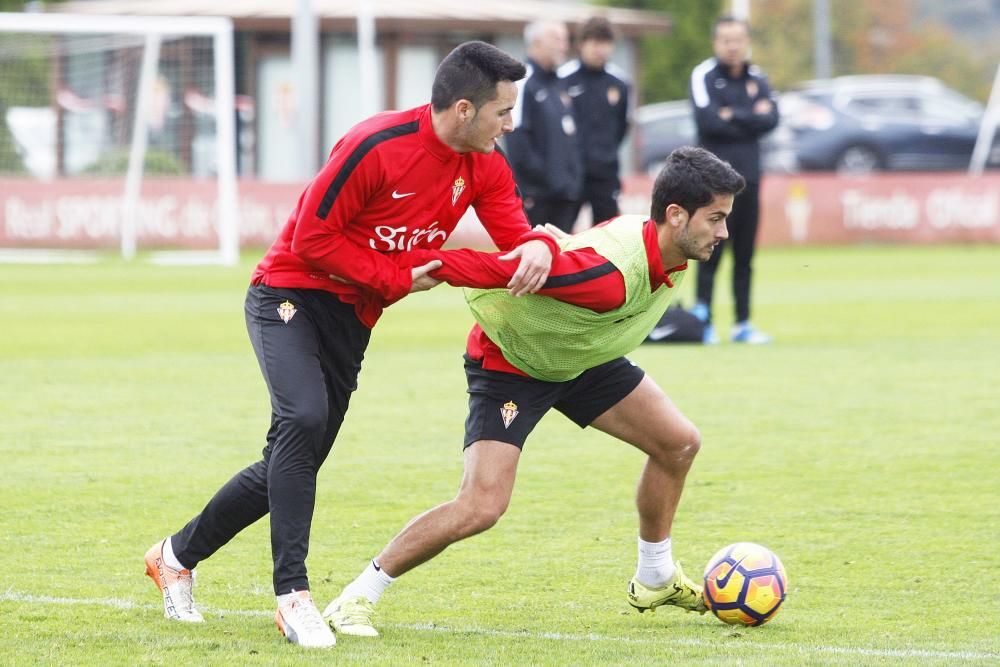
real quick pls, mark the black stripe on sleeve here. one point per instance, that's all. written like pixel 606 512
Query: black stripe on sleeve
pixel 355 158
pixel 517 190
pixel 568 279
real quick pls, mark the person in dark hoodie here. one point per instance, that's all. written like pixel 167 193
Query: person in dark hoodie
pixel 600 94
pixel 543 148
pixel 733 107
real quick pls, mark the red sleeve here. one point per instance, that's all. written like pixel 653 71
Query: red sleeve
pixel 579 277
pixel 319 236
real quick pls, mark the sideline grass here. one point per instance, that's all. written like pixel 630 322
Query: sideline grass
pixel 862 447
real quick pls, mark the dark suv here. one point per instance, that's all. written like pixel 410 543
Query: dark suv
pixel 865 123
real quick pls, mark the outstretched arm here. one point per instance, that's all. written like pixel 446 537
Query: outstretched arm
pixel 580 277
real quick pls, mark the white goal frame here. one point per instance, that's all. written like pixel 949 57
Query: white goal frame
pixel 153 29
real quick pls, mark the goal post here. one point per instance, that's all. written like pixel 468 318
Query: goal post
pixel 96 110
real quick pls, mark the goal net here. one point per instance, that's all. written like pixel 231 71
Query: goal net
pixel 118 132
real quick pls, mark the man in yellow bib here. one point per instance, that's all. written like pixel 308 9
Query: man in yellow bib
pixel 563 348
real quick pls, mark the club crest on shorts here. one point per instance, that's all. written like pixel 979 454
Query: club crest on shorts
pixel 457 189
pixel 508 412
pixel 286 311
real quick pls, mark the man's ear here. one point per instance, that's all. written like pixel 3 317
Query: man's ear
pixel 675 215
pixel 464 110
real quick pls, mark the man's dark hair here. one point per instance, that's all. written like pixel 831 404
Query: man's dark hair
pixel 725 19
pixel 471 72
pixel 598 29
pixel 692 178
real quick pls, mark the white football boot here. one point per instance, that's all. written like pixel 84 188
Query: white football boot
pixel 300 621
pixel 175 585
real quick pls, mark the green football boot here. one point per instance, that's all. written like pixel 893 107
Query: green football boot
pixel 351 616
pixel 679 592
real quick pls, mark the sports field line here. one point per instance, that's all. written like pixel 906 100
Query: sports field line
pixel 118 603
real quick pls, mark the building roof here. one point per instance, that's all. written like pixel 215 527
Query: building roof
pixel 398 15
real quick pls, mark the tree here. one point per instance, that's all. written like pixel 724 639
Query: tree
pixel 665 61
pixel 886 37
pixel 29 88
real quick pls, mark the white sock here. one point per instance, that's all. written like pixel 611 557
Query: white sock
pixel 370 584
pixel 286 597
pixel 656 563
pixel 169 558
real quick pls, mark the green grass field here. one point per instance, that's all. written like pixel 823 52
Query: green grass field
pixel 863 447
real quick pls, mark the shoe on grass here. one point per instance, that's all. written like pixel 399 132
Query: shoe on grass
pixel 679 592
pixel 744 332
pixel 175 585
pixel 352 616
pixel 299 620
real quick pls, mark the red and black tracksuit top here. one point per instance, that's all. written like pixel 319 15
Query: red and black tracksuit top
pixel 580 277
pixel 389 186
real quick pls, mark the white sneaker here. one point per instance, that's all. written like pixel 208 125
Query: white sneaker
pixel 352 616
pixel 299 620
pixel 176 586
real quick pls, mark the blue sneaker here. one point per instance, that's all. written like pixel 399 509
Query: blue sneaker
pixel 744 332
pixel 700 310
pixel 709 337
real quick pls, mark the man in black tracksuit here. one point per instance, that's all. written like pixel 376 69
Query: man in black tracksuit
pixel 600 97
pixel 733 107
pixel 543 148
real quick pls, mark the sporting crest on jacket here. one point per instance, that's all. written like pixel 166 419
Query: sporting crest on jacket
pixel 457 189
pixel 614 95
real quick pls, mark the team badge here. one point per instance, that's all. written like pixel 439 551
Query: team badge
pixel 457 189
pixel 508 412
pixel 614 95
pixel 286 311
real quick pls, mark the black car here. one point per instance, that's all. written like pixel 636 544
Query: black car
pixel 860 124
pixel 851 124
pixel 660 128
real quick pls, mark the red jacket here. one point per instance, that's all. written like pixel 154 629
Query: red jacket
pixel 580 277
pixel 389 185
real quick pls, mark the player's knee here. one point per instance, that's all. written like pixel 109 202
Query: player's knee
pixel 680 445
pixel 691 442
pixel 308 419
pixel 485 518
pixel 483 513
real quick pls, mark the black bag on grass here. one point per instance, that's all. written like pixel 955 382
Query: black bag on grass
pixel 677 326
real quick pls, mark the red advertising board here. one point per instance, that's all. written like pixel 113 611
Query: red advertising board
pixel 889 208
pixel 175 213
pixel 795 209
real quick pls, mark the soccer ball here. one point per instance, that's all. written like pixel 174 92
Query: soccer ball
pixel 745 584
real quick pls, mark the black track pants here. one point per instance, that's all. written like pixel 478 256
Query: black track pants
pixel 310 364
pixel 743 239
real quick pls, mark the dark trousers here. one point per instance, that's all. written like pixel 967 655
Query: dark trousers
pixel 310 364
pixel 602 194
pixel 559 212
pixel 742 225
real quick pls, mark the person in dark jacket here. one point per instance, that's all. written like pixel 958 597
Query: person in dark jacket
pixel 600 95
pixel 543 148
pixel 733 107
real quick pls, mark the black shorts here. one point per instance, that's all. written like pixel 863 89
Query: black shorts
pixel 506 406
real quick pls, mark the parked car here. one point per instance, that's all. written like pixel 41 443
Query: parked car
pixel 660 128
pixel 860 124
pixel 853 124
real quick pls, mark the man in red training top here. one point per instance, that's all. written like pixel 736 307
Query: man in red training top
pixel 399 181
pixel 563 348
